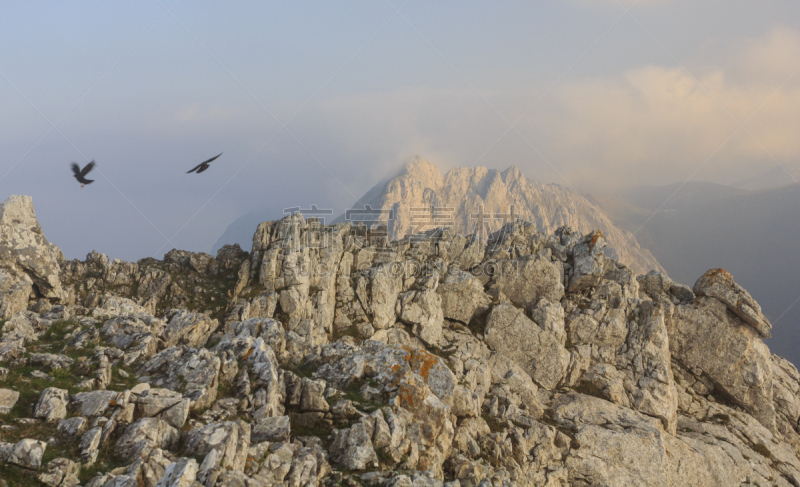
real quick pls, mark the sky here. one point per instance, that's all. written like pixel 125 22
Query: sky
pixel 315 102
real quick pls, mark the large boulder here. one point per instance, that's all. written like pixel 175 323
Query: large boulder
pixel 718 283
pixel 28 454
pixel 512 334
pixel 194 373
pixel 462 296
pixel 23 247
pixel 705 335
pixel 527 280
pixel 144 435
pixel 223 446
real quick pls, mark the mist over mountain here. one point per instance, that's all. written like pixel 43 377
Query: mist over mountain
pixel 420 198
pixel 751 234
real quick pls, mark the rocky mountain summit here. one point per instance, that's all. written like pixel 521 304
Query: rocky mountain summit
pixel 467 199
pixel 329 357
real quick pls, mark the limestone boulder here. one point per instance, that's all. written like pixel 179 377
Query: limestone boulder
pixel 52 404
pixel 705 335
pixel 462 296
pixel 24 246
pixel 223 446
pixel 512 334
pixel 527 280
pixel 719 284
pixel 28 454
pixel 144 435
pixel 188 328
pixel 8 399
pixel 192 372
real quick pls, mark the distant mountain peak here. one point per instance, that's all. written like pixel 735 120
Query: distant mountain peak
pixel 420 198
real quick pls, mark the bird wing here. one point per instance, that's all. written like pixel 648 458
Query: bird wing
pixel 76 169
pixel 87 168
pixel 206 162
pixel 195 168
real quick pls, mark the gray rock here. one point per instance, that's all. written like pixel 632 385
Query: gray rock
pixel 223 445
pixel 525 281
pixel 144 435
pixel 90 444
pixel 188 328
pixel 705 336
pixel 94 403
pixel 179 474
pixel 72 427
pixel 165 404
pixel 352 448
pixel 8 399
pixel 52 405
pixel 718 283
pixel 194 373
pixel 588 262
pixel 274 429
pixel 512 334
pixel 28 454
pixel 22 244
pixel 462 296
pixel 60 472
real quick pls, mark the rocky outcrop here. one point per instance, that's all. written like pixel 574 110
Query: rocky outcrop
pixel 26 254
pixel 338 359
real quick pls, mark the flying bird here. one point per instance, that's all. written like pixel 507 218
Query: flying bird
pixel 80 174
pixel 203 165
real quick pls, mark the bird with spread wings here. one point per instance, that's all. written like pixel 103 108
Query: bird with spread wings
pixel 203 165
pixel 80 174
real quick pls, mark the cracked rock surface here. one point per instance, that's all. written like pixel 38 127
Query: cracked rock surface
pixel 327 357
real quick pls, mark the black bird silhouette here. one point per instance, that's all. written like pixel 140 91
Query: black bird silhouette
pixel 80 174
pixel 203 165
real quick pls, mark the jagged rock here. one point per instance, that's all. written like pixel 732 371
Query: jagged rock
pixel 52 405
pixel 179 474
pixel 60 472
pixel 72 427
pixel 8 399
pixel 112 306
pixel 23 245
pixel 703 335
pixel 28 454
pixel 525 281
pixel 509 332
pixel 194 373
pixel 423 310
pixel 137 334
pixel 223 445
pixel 352 448
pixel 144 435
pixel 274 429
pixel 94 403
pixel 718 283
pixel 164 404
pixel 265 376
pixel 188 328
pixel 588 262
pixel 50 361
pixel 462 296
pixel 90 444
pixel 15 291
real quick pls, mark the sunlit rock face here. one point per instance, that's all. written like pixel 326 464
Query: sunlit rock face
pixel 325 357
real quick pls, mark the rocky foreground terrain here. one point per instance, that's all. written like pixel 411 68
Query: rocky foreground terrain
pixel 322 358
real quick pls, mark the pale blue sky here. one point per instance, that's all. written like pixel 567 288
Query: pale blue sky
pixel 604 99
